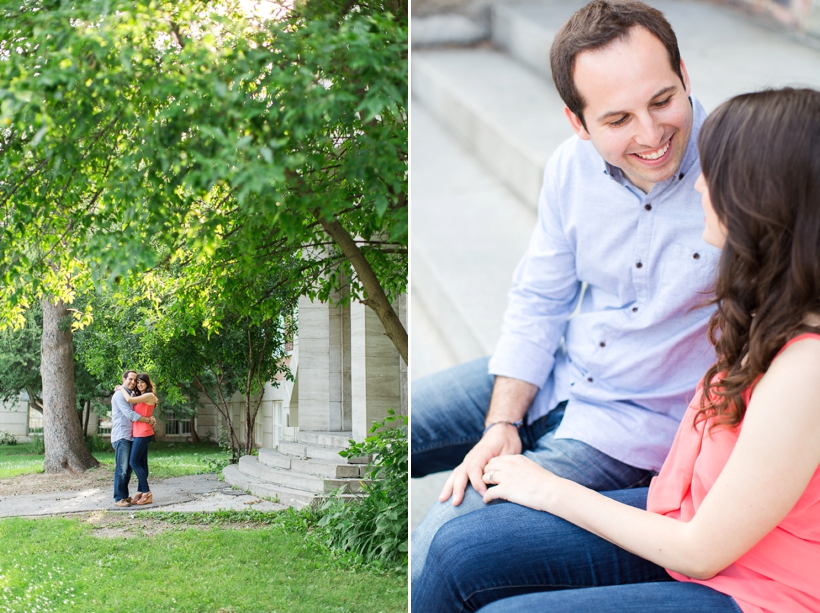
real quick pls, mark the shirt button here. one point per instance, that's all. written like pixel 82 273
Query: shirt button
pixel 634 309
pixel 638 265
pixel 696 256
pixel 589 379
pixel 603 344
pixel 648 207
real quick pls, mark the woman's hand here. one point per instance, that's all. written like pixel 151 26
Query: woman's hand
pixel 518 479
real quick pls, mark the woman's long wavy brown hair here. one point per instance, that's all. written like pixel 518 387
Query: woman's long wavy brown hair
pixel 760 155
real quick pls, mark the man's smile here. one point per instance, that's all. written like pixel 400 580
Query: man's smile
pixel 658 155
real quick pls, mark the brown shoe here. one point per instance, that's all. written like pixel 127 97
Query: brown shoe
pixel 146 498
pixel 136 498
pixel 122 503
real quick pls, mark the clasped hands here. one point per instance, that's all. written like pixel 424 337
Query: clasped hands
pixel 496 460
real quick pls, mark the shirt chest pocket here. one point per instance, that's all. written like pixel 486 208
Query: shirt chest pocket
pixel 690 269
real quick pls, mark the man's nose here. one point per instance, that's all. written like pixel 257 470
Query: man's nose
pixel 649 131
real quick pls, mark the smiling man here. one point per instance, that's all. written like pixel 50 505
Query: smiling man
pixel 595 398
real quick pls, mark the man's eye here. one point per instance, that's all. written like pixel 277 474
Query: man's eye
pixel 619 122
pixel 663 102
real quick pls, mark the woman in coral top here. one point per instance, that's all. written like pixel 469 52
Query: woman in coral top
pixel 144 404
pixel 732 521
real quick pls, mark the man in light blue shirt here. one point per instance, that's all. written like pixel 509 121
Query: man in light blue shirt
pixel 596 398
pixel 122 418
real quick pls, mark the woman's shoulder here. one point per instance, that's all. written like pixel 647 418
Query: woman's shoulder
pixel 804 346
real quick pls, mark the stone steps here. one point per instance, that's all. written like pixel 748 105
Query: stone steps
pixel 250 465
pixel 326 439
pixel 498 109
pixel 301 472
pixel 275 459
pixel 474 231
pixel 319 452
pixel 287 497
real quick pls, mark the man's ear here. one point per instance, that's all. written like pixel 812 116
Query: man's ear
pixel 576 124
pixel 685 78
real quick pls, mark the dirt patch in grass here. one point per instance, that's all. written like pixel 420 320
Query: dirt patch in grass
pixel 41 483
pixel 122 525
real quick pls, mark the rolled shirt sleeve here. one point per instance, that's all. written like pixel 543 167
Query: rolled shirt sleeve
pixel 544 293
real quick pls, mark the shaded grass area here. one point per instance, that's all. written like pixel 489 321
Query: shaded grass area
pixel 61 565
pixel 164 459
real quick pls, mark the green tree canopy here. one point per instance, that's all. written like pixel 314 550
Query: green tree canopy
pixel 151 134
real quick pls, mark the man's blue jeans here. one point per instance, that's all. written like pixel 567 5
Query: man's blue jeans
pixel 513 550
pixel 447 421
pixel 122 468
pixel 139 461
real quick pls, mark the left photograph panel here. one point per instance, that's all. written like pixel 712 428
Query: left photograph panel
pixel 203 305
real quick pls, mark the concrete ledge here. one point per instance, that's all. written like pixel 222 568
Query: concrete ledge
pixel 327 439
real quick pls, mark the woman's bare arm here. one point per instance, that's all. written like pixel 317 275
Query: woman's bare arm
pixel 149 398
pixel 774 459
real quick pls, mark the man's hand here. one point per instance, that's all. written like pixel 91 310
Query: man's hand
pixel 152 421
pixel 501 439
pixel 510 400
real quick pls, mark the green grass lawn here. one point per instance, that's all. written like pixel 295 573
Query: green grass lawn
pixel 65 565
pixel 165 459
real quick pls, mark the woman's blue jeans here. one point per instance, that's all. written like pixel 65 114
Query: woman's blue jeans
pixel 517 560
pixel 139 461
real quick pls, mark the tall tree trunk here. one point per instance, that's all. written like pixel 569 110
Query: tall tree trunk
pixel 376 298
pixel 62 435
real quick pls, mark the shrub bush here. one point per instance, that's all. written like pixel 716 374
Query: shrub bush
pixel 7 438
pixel 96 443
pixel 38 446
pixel 373 527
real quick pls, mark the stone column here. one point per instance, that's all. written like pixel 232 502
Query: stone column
pixel 374 368
pixel 321 390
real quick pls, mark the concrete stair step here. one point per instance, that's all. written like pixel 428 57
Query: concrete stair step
pixel 322 468
pixel 249 465
pixel 726 52
pixel 320 452
pixel 327 439
pixel 505 115
pixel 285 496
pixel 471 233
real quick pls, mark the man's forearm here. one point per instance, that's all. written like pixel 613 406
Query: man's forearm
pixel 511 400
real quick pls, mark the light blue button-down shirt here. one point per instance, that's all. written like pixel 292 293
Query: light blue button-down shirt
pixel 122 418
pixel 630 360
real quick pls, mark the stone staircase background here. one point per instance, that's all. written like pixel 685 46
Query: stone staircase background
pixel 300 473
pixel 484 121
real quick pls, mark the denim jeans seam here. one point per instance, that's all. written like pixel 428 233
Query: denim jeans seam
pixel 417 449
pixel 524 585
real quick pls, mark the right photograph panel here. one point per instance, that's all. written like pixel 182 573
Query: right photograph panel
pixel 601 193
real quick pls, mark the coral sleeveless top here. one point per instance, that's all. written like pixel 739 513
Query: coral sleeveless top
pixel 141 429
pixel 781 573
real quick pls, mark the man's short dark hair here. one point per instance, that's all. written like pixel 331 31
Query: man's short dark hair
pixel 128 372
pixel 593 27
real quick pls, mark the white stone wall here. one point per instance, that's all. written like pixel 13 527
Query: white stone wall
pixel 14 418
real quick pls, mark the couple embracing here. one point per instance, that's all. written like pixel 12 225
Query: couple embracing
pixel 132 428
